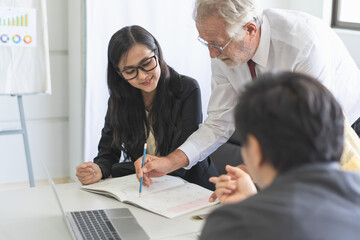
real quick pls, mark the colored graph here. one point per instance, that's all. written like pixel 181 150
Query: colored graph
pixel 18 27
pixel 19 21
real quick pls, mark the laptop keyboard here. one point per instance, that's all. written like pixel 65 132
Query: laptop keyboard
pixel 95 225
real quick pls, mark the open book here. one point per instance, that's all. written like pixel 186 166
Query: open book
pixel 168 196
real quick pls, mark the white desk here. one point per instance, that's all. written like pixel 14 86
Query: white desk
pixel 34 214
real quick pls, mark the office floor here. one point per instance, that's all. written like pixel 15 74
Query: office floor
pixel 21 185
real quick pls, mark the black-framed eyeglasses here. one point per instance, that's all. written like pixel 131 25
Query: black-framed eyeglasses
pixel 219 48
pixel 146 65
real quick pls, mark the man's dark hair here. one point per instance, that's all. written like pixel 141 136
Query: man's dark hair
pixel 294 117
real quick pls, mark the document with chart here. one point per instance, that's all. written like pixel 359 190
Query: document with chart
pixel 168 196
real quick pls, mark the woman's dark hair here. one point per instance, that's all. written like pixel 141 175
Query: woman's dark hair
pixel 295 119
pixel 127 110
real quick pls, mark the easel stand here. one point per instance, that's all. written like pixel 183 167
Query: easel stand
pixel 23 131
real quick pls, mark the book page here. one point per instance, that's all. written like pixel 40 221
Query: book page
pixel 175 201
pixel 126 188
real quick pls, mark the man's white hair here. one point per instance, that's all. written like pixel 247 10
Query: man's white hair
pixel 236 13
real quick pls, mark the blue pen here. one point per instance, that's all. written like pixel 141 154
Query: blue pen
pixel 143 162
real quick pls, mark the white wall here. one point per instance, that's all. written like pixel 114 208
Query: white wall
pixel 274 3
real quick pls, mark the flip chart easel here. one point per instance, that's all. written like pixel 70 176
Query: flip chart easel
pixel 23 131
pixel 24 53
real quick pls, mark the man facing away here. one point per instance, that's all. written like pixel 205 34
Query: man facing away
pixel 245 41
pixel 291 128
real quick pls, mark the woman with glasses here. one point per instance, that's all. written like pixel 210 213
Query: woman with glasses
pixel 149 103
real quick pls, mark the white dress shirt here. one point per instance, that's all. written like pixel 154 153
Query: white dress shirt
pixel 290 41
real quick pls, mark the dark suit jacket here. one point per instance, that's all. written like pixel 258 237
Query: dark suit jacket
pixel 317 201
pixel 190 110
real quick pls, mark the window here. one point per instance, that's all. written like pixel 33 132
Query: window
pixel 345 14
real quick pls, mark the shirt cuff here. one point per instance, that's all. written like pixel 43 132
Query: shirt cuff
pixel 191 152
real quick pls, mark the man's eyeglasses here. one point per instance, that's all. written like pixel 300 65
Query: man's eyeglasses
pixel 219 48
pixel 146 65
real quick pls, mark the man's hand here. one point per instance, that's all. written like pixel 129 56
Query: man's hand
pixel 233 187
pixel 225 185
pixel 159 166
pixel 88 173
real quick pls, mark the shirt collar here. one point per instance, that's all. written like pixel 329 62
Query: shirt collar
pixel 261 55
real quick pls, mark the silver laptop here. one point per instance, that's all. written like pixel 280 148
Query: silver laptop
pixel 117 223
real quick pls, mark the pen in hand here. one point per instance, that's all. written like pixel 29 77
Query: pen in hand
pixel 142 165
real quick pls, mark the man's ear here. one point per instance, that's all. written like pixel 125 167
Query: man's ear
pixel 255 151
pixel 251 29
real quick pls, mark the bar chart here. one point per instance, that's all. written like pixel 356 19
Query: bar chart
pixel 18 27
pixel 19 21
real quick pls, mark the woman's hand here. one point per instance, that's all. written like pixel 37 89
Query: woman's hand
pixel 88 173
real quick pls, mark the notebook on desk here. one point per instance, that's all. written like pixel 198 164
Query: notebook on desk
pixel 117 223
pixel 168 196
